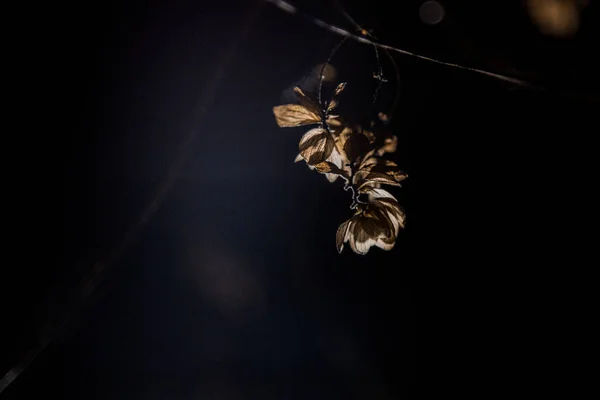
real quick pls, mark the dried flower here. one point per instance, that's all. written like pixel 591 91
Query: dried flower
pixel 353 153
pixel 375 223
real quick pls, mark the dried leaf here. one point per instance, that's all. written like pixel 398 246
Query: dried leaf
pixel 389 146
pixel 394 213
pixel 332 177
pixel 339 160
pixel 330 170
pixel 307 102
pixel 326 167
pixel 339 89
pixel 333 121
pixel 332 105
pixel 316 146
pixel 376 177
pixel 340 140
pixel 354 146
pixel 389 203
pixel 337 150
pixel 292 115
pixel 374 224
pixel 341 235
pixel 299 92
pixel 373 170
pixel 371 228
pixel 369 161
pixel 369 135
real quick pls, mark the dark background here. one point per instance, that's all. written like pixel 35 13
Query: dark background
pixel 234 289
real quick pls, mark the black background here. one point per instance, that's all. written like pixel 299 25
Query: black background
pixel 234 288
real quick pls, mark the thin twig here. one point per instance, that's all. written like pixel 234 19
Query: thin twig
pixel 335 49
pixel 364 32
pixel 350 19
pixel 289 8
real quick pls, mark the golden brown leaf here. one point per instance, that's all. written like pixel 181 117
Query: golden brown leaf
pixel 332 105
pixel 372 178
pixel 390 205
pixel 327 167
pixel 373 171
pixel 389 146
pixel 374 224
pixel 316 146
pixel 341 234
pixel 338 159
pixel 333 121
pixel 368 228
pixel 307 102
pixel 292 115
pixel 354 145
pixel 332 168
pixel 339 89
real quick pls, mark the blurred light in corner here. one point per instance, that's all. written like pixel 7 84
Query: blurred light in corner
pixel 431 12
pixel 558 18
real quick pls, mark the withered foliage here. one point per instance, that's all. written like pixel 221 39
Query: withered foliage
pixel 342 150
pixel 317 144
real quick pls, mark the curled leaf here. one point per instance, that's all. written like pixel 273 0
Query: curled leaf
pixel 307 102
pixel 341 235
pixel 316 146
pixel 390 205
pixel 332 168
pixel 328 167
pixel 339 161
pixel 376 223
pixel 333 121
pixel 373 170
pixel 339 89
pixel 389 146
pixel 332 105
pixel 376 178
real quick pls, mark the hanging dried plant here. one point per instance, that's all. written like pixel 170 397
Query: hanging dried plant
pixel 374 223
pixel 317 144
pixel 338 149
